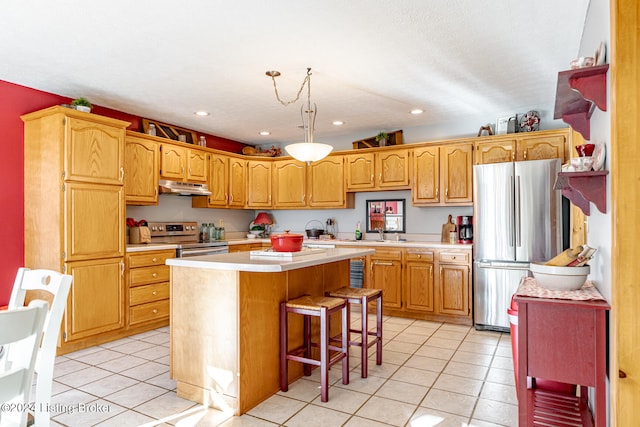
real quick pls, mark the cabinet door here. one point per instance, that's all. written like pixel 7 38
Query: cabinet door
pixel 237 182
pixel 426 176
pixel 326 183
pixel 141 164
pixel 259 184
pixel 386 273
pixel 94 221
pixel 93 152
pixel 96 299
pixel 218 181
pixel 196 166
pixel 453 290
pixel 495 151
pixel 419 283
pixel 456 179
pixel 360 171
pixel 542 147
pixel 172 162
pixel 393 169
pixel 289 184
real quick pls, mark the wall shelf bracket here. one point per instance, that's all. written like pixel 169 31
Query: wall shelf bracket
pixel 584 187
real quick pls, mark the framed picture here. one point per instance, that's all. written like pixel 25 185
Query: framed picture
pixel 175 133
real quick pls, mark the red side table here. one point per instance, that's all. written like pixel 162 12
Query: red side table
pixel 561 340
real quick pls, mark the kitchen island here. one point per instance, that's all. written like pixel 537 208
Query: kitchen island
pixel 225 320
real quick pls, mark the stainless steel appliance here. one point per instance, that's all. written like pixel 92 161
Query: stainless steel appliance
pixel 517 219
pixel 465 229
pixel 185 235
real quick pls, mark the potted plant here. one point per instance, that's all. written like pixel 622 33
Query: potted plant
pixel 381 139
pixel 81 104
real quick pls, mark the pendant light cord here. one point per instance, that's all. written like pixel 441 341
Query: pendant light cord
pixel 307 81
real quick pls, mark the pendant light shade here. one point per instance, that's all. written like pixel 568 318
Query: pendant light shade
pixel 306 151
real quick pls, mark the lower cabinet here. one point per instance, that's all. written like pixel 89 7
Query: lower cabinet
pixel 244 247
pixel 148 287
pixel 96 300
pixel 423 283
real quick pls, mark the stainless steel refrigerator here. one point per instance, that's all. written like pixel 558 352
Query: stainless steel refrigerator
pixel 517 219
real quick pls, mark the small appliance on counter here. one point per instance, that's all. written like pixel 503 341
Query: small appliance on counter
pixel 465 229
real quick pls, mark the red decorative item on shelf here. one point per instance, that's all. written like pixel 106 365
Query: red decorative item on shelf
pixel 287 242
pixel 585 150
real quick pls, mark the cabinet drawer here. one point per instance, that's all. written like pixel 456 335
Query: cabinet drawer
pixel 144 275
pixel 387 253
pixel 414 254
pixel 148 293
pixel 151 311
pixel 144 259
pixel 457 257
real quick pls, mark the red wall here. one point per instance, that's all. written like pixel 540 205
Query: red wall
pixel 16 100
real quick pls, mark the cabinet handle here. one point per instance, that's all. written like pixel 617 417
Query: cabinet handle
pixel 371 177
pixel 155 311
pixel 154 293
pixel 380 178
pixel 154 259
pixel 622 374
pixel 182 170
pixel 437 192
pixel 303 198
pixel 189 170
pixel 525 154
pixel 122 268
pixel 383 262
pixel 121 174
pixel 430 270
pixel 419 255
pixel 154 275
pixel 446 194
pixel 513 156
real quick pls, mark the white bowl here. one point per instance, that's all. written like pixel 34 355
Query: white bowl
pixel 559 278
pixel 251 236
pixel 256 232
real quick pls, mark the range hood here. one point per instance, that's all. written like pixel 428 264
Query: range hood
pixel 183 188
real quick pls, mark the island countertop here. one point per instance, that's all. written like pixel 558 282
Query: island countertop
pixel 244 261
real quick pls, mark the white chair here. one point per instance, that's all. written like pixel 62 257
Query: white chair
pixel 20 334
pixel 52 287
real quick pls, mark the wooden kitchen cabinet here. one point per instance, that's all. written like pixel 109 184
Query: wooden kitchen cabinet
pixel 148 287
pixel 419 280
pixel 443 175
pixel 244 247
pixel 540 145
pixel 289 184
pixel 94 151
pixel 180 163
pixel 388 170
pixel 96 299
pixel 142 169
pixel 74 216
pixel 226 182
pixel 326 185
pixel 453 285
pixel 237 182
pixel 258 184
pixel 385 272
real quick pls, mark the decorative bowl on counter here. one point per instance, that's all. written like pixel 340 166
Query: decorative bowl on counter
pixel 287 242
pixel 559 278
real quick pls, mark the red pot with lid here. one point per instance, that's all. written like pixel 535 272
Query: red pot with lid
pixel 287 242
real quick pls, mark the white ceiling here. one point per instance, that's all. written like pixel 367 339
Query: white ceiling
pixel 372 60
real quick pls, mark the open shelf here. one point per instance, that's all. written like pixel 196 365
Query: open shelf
pixel 584 187
pixel 578 92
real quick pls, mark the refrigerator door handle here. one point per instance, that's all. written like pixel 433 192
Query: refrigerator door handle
pixel 503 265
pixel 511 202
pixel 518 226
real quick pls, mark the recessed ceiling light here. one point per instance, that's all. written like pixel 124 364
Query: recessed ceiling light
pixel 416 111
pixel 202 113
pixel 265 133
pixel 337 122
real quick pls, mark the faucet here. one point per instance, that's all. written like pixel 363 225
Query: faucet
pixel 380 231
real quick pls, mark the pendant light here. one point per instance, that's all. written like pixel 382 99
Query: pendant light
pixel 307 151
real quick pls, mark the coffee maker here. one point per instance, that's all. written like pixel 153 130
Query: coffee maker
pixel 464 224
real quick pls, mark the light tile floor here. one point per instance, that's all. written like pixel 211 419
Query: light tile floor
pixel 433 374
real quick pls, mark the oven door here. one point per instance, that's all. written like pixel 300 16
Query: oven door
pixel 211 250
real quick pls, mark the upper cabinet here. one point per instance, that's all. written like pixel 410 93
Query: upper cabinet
pixel 443 175
pixel 258 184
pixel 141 163
pixel 182 164
pixel 550 144
pixel 386 170
pixel 226 181
pixel 326 186
pixel 289 184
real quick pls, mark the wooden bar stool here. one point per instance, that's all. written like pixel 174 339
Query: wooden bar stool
pixel 321 307
pixel 363 297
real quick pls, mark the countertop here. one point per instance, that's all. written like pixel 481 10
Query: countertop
pixel 319 242
pixel 243 261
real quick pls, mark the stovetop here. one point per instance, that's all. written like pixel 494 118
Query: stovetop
pixel 182 233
